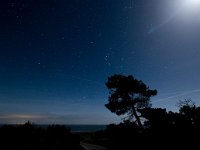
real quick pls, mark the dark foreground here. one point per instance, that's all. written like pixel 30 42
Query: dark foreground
pixel 30 137
pixel 125 137
pixel 114 137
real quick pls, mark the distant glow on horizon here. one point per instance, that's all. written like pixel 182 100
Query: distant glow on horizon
pixel 21 118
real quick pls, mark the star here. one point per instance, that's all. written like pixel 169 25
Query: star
pixel 107 59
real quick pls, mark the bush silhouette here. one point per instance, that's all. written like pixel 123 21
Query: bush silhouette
pixel 29 136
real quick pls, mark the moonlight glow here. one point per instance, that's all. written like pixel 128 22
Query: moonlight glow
pixel 192 2
pixel 191 5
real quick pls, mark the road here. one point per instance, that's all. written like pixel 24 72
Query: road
pixel 87 146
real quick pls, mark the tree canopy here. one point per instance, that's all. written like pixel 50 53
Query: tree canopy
pixel 127 95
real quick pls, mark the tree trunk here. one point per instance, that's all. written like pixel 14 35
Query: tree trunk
pixel 137 118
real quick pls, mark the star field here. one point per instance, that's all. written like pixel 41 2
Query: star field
pixel 55 57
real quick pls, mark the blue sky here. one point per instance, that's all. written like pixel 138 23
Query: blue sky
pixel 55 56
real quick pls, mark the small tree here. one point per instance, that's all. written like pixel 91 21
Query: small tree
pixel 127 95
pixel 190 111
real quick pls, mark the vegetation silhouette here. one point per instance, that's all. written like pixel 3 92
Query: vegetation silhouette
pixel 33 137
pixel 127 96
pixel 161 128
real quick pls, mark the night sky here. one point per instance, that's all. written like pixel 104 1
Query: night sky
pixel 56 55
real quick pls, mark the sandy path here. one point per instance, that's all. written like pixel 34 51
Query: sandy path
pixel 87 146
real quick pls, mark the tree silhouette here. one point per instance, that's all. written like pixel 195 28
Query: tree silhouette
pixel 156 117
pixel 127 95
pixel 190 111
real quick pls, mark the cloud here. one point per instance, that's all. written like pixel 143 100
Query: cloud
pixel 183 93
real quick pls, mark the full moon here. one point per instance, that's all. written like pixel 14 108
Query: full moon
pixel 190 8
pixel 192 4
